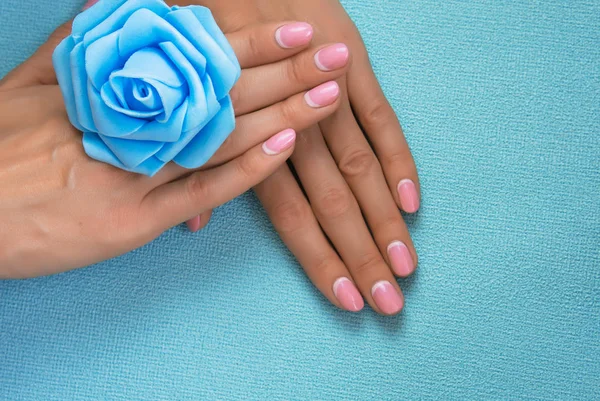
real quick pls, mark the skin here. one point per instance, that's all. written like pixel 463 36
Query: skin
pixel 62 210
pixel 349 165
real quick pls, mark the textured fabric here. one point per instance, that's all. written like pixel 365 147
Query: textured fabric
pixel 500 103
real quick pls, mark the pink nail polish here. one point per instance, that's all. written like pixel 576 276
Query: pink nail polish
pixel 323 95
pixel 345 291
pixel 89 4
pixel 279 142
pixel 387 298
pixel 294 35
pixel 194 224
pixel 400 258
pixel 332 57
pixel 409 198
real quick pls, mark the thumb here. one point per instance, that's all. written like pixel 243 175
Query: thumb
pixel 37 69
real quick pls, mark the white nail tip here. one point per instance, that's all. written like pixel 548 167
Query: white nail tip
pixel 310 102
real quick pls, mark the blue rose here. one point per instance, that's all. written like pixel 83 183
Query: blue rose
pixel 147 84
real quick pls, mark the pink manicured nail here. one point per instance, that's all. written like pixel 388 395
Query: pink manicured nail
pixel 323 95
pixel 409 198
pixel 294 35
pixel 89 4
pixel 387 298
pixel 194 224
pixel 400 258
pixel 279 142
pixel 348 295
pixel 332 57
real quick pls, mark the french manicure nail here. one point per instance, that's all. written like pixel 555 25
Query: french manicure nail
pixel 387 298
pixel 332 57
pixel 193 224
pixel 409 198
pixel 345 291
pixel 323 95
pixel 279 142
pixel 400 258
pixel 294 35
pixel 89 4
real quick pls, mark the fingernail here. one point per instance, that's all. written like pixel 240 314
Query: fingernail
pixel 89 4
pixel 387 298
pixel 409 198
pixel 294 35
pixel 332 57
pixel 323 95
pixel 400 258
pixel 279 142
pixel 345 291
pixel 193 224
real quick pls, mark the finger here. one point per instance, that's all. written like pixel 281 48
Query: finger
pixel 267 43
pixel 381 125
pixel 339 214
pixel 362 171
pixel 275 82
pixel 297 226
pixel 197 223
pixel 298 112
pixel 38 69
pixel 251 129
pixel 175 202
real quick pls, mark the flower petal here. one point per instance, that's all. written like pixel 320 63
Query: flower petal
pixel 206 142
pixel 171 98
pixel 96 149
pixel 62 67
pixel 207 20
pixel 170 131
pixel 170 150
pixel 108 121
pixel 131 153
pixel 102 58
pixel 80 81
pixel 91 17
pixel 111 99
pixel 218 64
pixel 119 15
pixel 212 105
pixel 152 63
pixel 145 29
pixel 198 110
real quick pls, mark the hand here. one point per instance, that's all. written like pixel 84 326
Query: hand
pixel 61 210
pixel 343 176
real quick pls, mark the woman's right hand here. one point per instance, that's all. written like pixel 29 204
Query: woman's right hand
pixel 62 210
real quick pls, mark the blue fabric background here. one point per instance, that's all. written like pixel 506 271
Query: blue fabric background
pixel 500 102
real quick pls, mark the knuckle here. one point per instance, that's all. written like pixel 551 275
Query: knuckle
pixel 368 263
pixel 334 203
pixel 254 44
pixel 388 224
pixel 291 215
pixel 357 162
pixel 396 157
pixel 295 72
pixel 378 113
pixel 197 187
pixel 288 113
pixel 325 263
pixel 248 166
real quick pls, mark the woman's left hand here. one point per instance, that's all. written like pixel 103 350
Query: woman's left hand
pixel 61 210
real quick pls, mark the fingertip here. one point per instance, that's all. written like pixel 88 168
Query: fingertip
pixel 293 35
pixel 193 224
pixel 280 142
